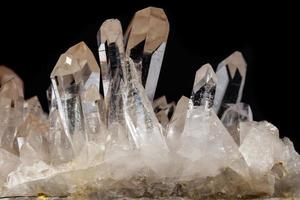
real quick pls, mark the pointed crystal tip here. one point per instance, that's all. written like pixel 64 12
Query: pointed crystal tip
pixel 144 27
pixel 204 87
pixel 74 59
pixel 235 61
pixel 110 31
pixel 8 75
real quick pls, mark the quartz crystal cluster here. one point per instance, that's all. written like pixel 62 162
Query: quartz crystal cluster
pixel 122 144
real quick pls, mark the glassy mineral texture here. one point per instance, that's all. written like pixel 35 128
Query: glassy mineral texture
pixel 123 145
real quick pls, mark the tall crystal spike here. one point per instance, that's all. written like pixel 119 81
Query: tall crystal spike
pixel 111 54
pixel 73 78
pixel 111 51
pixel 232 117
pixel 231 74
pixel 145 41
pixel 141 121
pixel 204 87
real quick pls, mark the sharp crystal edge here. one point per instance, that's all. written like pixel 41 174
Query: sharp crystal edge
pixel 75 82
pixel 111 51
pixel 123 146
pixel 139 115
pixel 233 116
pixel 204 87
pixel 231 74
pixel 145 42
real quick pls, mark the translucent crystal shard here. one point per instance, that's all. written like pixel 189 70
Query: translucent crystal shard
pixel 231 74
pixel 232 117
pixel 111 52
pixel 141 121
pixel 204 87
pixel 75 81
pixel 145 41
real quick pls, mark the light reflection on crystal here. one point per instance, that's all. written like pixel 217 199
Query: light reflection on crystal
pixel 122 145
pixel 145 40
pixel 231 74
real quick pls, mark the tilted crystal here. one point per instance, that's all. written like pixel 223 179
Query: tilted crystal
pixel 231 74
pixel 111 52
pixel 232 117
pixel 145 41
pixel 204 87
pixel 75 73
pixel 140 118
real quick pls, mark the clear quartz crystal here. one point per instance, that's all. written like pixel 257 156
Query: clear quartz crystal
pixel 145 41
pixel 75 81
pixel 11 114
pixel 140 118
pixel 177 122
pixel 231 74
pixel 123 146
pixel 232 117
pixel 204 87
pixel 111 53
pixel 163 110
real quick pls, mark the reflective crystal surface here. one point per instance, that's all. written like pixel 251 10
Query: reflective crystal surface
pixel 163 110
pixel 231 74
pixel 145 43
pixel 111 52
pixel 232 117
pixel 123 146
pixel 204 87
pixel 139 115
pixel 77 102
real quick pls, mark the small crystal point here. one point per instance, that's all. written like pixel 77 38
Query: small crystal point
pixel 145 40
pixel 231 74
pixel 232 117
pixel 111 51
pixel 204 87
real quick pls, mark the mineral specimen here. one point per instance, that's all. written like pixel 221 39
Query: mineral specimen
pixel 124 146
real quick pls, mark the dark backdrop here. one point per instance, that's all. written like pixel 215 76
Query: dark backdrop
pixel 32 36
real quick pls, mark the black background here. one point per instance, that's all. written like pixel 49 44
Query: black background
pixel 32 36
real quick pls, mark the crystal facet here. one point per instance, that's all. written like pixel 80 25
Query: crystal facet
pixel 123 146
pixel 231 74
pixel 145 40
pixel 204 87
pixel 232 117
